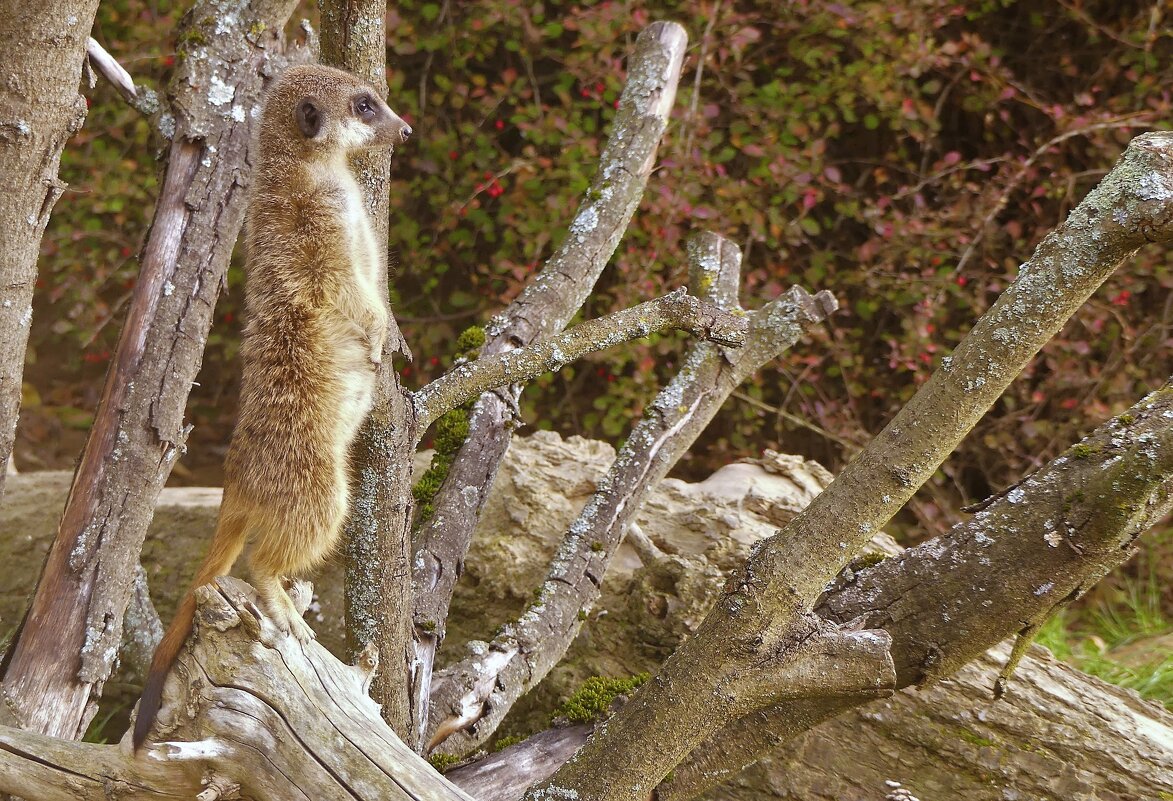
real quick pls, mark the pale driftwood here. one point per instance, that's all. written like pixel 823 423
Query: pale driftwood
pixel 248 712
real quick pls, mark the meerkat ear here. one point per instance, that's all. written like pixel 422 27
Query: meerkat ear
pixel 309 117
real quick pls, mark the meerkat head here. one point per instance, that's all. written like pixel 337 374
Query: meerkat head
pixel 320 113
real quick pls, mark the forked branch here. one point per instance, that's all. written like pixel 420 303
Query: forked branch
pixel 481 689
pixel 677 310
pixel 545 307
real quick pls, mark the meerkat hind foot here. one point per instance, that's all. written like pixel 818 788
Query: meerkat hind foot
pixel 282 611
pixel 287 619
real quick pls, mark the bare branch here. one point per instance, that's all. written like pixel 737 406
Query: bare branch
pixel 546 306
pixel 482 688
pixel 111 70
pixel 766 608
pixel 676 310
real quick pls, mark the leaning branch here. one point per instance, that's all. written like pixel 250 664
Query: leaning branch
pixel 766 609
pixel 481 689
pixel 676 310
pixel 545 307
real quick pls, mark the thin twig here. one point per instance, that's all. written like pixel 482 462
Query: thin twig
pixel 850 446
pixel 111 70
pixel 1127 121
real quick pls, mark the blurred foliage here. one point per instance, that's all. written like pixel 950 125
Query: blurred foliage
pixel 906 155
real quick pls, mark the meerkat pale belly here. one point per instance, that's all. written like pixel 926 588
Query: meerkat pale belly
pixel 317 322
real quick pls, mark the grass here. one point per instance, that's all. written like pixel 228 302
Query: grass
pixel 1090 640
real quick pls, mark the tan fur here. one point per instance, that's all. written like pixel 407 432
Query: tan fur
pixel 316 326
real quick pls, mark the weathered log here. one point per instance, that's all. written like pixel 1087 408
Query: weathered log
pixel 247 711
pixel 1060 735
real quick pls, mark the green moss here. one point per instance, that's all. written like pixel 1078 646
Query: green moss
pixel 865 560
pixel 450 432
pixel 1083 450
pixel 256 29
pixel 442 762
pixel 505 742
pixel 593 700
pixel 1126 419
pixel 582 614
pixel 428 625
pixel 975 739
pixel 596 547
pixel 192 37
pixel 471 339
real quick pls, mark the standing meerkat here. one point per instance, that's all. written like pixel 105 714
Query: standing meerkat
pixel 316 326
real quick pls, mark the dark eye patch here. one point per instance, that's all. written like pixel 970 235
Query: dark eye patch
pixel 309 117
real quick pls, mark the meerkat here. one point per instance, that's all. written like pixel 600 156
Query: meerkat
pixel 316 326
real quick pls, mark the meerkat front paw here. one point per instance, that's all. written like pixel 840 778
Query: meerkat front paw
pixel 377 337
pixel 301 630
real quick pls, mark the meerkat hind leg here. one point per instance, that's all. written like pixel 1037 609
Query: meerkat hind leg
pixel 279 606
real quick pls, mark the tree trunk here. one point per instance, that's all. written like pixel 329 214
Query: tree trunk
pixel 42 48
pixel 376 537
pixel 67 645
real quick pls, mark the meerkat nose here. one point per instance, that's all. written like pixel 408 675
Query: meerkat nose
pixel 404 133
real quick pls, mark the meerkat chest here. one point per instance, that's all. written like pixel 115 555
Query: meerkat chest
pixel 364 251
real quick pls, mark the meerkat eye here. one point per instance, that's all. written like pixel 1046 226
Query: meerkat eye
pixel 364 108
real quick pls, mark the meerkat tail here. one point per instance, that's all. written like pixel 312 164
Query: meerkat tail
pixel 226 547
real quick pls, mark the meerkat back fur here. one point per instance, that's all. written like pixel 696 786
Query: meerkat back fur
pixel 316 326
